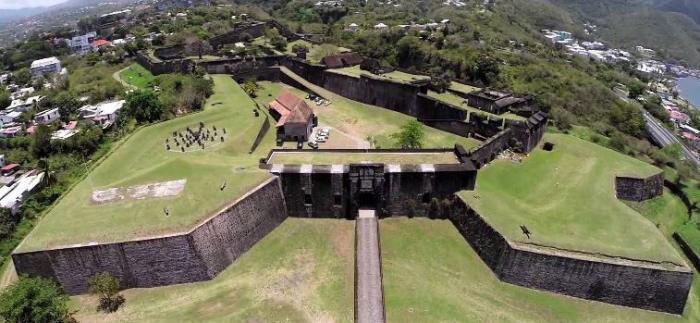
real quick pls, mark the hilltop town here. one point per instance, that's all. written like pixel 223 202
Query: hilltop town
pixel 178 160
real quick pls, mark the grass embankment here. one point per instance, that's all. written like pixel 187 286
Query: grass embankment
pixel 566 198
pixel 432 275
pixel 366 121
pixel 136 75
pixel 331 158
pixel 396 76
pixel 316 51
pixel 460 102
pixel 303 271
pixel 143 159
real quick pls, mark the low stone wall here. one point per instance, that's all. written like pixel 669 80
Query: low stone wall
pixel 639 189
pixel 491 148
pixel 639 284
pixel 692 256
pixel 164 67
pixel 165 260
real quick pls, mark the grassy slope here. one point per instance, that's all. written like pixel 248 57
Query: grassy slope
pixel 363 120
pixel 301 272
pixel 432 275
pixel 143 159
pixel 137 76
pixel 459 102
pixel 397 76
pixel 566 198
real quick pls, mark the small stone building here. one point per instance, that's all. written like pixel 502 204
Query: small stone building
pixel 295 119
pixel 495 101
pixel 342 60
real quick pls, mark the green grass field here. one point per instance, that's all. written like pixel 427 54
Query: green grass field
pixel 432 275
pixel 362 120
pixel 397 76
pixel 137 76
pixel 331 158
pixel 143 159
pixel 566 198
pixel 301 272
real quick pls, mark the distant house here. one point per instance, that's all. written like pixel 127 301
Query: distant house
pixel 63 134
pixel 24 105
pixel 381 26
pixel 103 114
pixel 295 119
pixel 81 45
pixel 47 116
pixel 9 169
pixel 23 92
pixel 11 196
pixel 342 60
pixel 11 132
pixel 100 43
pixel 495 102
pixel 45 66
pixel 9 116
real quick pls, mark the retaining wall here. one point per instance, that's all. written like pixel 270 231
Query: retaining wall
pixel 630 283
pixel 196 255
pixel 639 189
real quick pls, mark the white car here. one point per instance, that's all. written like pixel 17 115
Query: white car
pixel 321 138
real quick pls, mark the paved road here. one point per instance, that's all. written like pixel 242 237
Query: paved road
pixel 664 137
pixel 369 296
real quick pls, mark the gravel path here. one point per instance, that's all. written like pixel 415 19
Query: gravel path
pixel 369 297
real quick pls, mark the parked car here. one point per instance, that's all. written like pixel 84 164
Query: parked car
pixel 313 144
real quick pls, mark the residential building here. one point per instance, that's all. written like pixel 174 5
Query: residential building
pixel 99 43
pixel 23 92
pixel 47 116
pixel 12 196
pixel 11 132
pixel 645 52
pixel 63 134
pixel 9 116
pixel 103 114
pixel 46 65
pixel 295 119
pixel 81 45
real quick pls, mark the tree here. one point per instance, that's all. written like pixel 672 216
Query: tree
pixel 106 287
pixel 144 106
pixel 5 99
pixel 22 77
pixel 41 143
pixel 410 136
pixel 67 105
pixel 636 89
pixel 250 87
pixel 34 300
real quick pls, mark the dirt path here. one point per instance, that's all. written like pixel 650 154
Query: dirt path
pixel 369 297
pixel 117 77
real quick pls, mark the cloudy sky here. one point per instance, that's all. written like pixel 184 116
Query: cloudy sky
pixel 16 4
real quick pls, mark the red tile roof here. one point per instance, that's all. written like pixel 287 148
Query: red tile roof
pixel 9 167
pixel 291 109
pixel 100 42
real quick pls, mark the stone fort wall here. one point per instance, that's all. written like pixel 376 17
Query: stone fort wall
pixel 623 282
pixel 196 255
pixel 639 189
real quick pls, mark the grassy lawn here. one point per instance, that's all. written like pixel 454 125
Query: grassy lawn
pixel 459 101
pixel 432 275
pixel 397 76
pixel 143 159
pixel 303 271
pixel 363 120
pixel 137 76
pixel 460 87
pixel 566 198
pixel 316 52
pixel 330 158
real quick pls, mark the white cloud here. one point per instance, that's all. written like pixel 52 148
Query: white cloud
pixel 17 4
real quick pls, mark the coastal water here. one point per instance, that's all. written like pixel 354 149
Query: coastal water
pixel 689 88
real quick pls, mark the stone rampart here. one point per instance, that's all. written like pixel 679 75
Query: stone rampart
pixel 164 260
pixel 639 189
pixel 337 191
pixel 157 67
pixel 639 284
pixel 491 148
